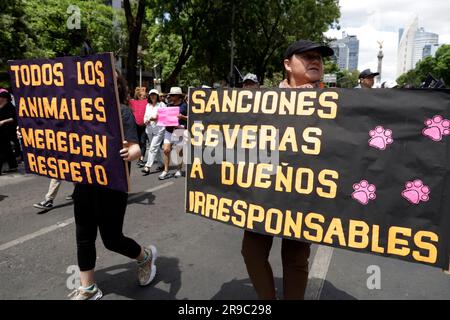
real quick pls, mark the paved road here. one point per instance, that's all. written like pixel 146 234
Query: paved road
pixel 199 259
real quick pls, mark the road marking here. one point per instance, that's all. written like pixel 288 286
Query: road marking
pixel 38 233
pixel 318 272
pixel 67 222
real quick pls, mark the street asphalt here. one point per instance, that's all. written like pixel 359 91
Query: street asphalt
pixel 198 258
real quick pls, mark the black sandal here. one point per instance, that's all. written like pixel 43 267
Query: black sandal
pixel 145 171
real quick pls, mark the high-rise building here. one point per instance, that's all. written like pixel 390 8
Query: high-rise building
pixel 423 39
pixel 414 44
pixel 346 51
pixel 430 50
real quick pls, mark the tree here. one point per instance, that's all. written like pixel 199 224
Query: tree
pixel 54 36
pixel 180 31
pixel 193 37
pixel 347 79
pixel 438 66
pixel 330 66
pixel 40 29
pixel 442 66
pixel 265 30
pixel 14 35
pixel 134 27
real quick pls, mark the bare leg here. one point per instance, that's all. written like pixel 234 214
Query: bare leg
pixel 180 154
pixel 87 278
pixel 167 149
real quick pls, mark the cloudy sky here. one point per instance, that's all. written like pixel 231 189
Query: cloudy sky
pixel 372 21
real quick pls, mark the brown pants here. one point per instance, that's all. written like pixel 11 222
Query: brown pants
pixel 255 250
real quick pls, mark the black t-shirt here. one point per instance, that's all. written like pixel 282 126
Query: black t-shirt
pixel 183 111
pixel 129 125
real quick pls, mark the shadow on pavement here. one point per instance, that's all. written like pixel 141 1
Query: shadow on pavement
pixel 236 290
pixel 147 198
pixel 2 197
pixel 122 280
pixel 330 292
pixel 243 290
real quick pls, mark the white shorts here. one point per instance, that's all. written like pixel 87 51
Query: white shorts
pixel 177 138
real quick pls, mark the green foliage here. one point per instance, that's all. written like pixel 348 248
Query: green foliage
pixel 189 40
pixel 347 79
pixel 48 20
pixel 266 29
pixel 330 66
pixel 438 66
pixel 38 29
pixel 192 39
pixel 14 35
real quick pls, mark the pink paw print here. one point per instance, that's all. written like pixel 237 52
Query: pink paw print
pixel 436 128
pixel 416 191
pixel 363 192
pixel 380 138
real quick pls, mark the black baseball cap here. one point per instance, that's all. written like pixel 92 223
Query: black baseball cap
pixel 307 45
pixel 367 73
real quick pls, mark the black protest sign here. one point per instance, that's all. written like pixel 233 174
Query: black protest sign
pixel 365 170
pixel 70 120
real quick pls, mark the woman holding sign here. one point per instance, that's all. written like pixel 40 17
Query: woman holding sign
pixel 174 136
pixel 99 208
pixel 154 132
pixel 304 67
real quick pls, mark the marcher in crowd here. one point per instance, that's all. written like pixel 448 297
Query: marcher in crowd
pixel 154 132
pixel 250 81
pixel 367 79
pixel 175 136
pixel 50 196
pixel 140 93
pixel 100 208
pixel 303 63
pixel 8 124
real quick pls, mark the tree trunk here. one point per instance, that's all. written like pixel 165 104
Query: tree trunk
pixel 183 58
pixel 132 61
pixel 134 25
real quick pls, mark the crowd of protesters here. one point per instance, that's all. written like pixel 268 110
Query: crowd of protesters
pixel 153 146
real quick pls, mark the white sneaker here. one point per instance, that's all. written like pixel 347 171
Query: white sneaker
pixel 147 268
pixel 163 175
pixel 178 174
pixel 82 294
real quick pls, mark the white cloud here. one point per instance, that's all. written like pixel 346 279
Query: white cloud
pixel 372 20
